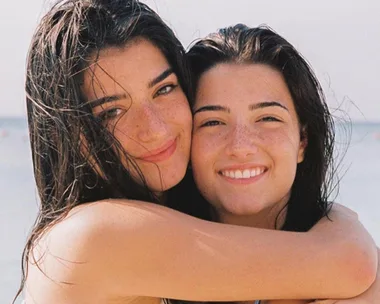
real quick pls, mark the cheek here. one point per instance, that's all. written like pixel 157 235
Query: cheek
pixel 201 153
pixel 179 113
pixel 202 160
pixel 206 150
pixel 283 146
pixel 184 118
pixel 122 132
pixel 197 148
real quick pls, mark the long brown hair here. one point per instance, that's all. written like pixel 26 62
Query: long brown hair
pixel 60 120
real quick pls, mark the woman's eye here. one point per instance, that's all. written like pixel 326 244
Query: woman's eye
pixel 211 123
pixel 269 119
pixel 165 90
pixel 110 114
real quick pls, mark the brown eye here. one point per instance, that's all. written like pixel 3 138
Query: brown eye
pixel 165 90
pixel 110 114
pixel 212 123
pixel 269 119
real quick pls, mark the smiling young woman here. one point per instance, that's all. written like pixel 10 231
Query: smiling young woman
pixel 246 141
pixel 145 108
pixel 263 136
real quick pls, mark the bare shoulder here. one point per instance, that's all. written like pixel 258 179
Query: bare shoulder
pixel 90 222
pixel 68 260
pixel 98 212
pixel 88 228
pixel 86 217
pixel 124 225
pixel 338 208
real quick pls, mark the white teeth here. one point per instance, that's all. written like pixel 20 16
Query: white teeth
pixel 246 173
pixel 239 174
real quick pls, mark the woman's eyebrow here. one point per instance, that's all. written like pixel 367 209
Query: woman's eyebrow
pixel 98 102
pixel 251 107
pixel 266 104
pixel 212 108
pixel 153 82
pixel 160 77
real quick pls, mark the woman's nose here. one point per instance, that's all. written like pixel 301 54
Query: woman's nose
pixel 152 125
pixel 241 142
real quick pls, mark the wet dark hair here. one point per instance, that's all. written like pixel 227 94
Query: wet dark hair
pixel 315 177
pixel 70 147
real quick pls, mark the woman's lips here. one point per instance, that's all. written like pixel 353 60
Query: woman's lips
pixel 162 153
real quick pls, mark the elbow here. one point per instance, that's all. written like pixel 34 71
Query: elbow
pixel 359 266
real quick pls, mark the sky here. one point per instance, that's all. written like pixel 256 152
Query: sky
pixel 341 40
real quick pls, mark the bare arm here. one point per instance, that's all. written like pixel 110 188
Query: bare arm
pixel 123 248
pixel 371 296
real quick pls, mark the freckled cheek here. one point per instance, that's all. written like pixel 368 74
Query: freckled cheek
pixel 283 148
pixel 277 139
pixel 204 150
pixel 197 148
pixel 272 140
pixel 124 133
pixel 184 118
pixel 179 113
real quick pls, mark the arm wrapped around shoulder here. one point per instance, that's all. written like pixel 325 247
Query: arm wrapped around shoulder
pixel 353 249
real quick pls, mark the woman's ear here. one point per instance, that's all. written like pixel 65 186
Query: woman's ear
pixel 302 145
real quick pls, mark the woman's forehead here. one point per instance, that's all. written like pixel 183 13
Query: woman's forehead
pixel 128 68
pixel 229 83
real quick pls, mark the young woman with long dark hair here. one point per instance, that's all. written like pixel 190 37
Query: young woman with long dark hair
pixel 263 136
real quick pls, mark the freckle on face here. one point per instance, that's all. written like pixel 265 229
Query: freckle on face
pixel 274 145
pixel 132 68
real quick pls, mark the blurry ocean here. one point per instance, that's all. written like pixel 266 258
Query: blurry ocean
pixel 18 200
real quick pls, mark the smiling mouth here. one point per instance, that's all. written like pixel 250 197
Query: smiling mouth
pixel 245 174
pixel 162 153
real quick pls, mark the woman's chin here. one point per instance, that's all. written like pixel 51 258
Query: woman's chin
pixel 166 181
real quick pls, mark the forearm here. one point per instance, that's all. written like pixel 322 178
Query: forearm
pixel 370 296
pixel 360 281
pixel 356 251
pixel 136 248
pixel 285 302
pixel 242 263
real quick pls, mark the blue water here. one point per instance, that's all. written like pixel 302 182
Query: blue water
pixel 18 200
